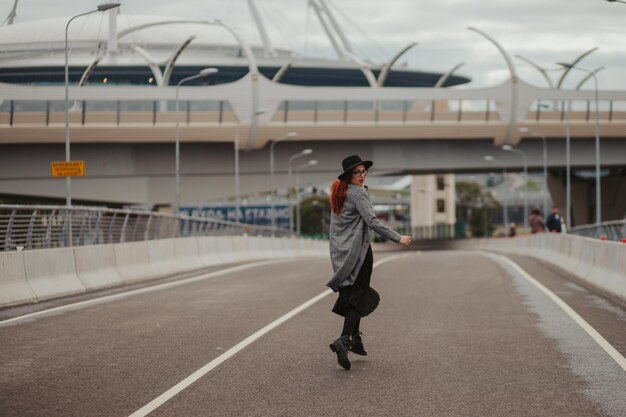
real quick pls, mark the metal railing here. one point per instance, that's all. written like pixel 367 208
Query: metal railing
pixel 613 230
pixel 36 227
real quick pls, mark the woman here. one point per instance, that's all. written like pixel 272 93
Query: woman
pixel 351 255
pixel 536 222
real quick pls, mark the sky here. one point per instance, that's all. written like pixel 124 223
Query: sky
pixel 544 31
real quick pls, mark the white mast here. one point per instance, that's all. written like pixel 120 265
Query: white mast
pixel 112 42
pixel 12 15
pixel 267 45
pixel 318 11
pixel 344 39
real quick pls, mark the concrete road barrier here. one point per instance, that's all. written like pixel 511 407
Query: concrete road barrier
pixel 95 266
pixel 133 261
pixel 14 288
pixel 52 272
pixel 602 264
pixel 46 273
pixel 208 251
pixel 187 254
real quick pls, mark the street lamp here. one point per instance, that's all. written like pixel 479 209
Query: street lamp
pixel 527 131
pixel 257 112
pixel 509 148
pixel 505 208
pixel 597 140
pixel 68 184
pixel 205 72
pixel 312 162
pixel 290 135
pixel 291 158
pixel 618 1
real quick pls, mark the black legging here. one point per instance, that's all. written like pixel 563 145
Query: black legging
pixel 351 322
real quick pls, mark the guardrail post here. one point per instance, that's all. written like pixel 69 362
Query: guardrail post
pixel 123 232
pixel 188 111
pixel 117 112
pixel 404 110
pixel 154 112
pixel 345 111
pixel 98 235
pixel 588 109
pixel 47 112
pixel 11 111
pixel 610 110
pixel 221 115
pixel 9 233
pixel 488 110
pixel 29 234
pixel 83 112
pixel 81 231
pixel 562 110
pixel 146 233
pixel 157 231
pixel 110 232
pixel 48 238
pixel 458 118
pixel 136 226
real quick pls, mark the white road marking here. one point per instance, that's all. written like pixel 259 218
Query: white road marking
pixel 597 337
pixel 167 395
pixel 157 287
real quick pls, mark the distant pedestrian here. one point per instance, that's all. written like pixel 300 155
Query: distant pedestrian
pixel 536 222
pixel 553 221
pixel 512 230
pixel 351 255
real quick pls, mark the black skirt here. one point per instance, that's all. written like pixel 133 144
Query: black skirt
pixel 359 295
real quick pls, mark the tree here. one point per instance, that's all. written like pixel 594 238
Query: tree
pixel 476 207
pixel 315 212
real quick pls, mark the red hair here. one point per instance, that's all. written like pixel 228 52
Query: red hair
pixel 338 190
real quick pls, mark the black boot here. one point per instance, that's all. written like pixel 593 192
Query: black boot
pixel 356 345
pixel 340 347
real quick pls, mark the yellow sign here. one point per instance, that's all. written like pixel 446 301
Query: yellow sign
pixel 68 169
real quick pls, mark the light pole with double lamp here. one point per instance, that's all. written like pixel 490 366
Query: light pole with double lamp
pixel 205 72
pixel 289 182
pixel 290 135
pixel 597 139
pixel 505 208
pixel 509 148
pixel 527 131
pixel 312 162
pixel 68 182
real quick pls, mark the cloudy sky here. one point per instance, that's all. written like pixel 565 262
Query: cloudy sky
pixel 544 31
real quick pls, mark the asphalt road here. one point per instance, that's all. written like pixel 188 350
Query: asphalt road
pixel 456 334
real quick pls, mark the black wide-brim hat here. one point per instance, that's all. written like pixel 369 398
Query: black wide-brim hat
pixel 352 162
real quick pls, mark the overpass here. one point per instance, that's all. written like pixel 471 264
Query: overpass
pixel 125 135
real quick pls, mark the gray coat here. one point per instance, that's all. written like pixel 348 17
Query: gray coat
pixel 350 238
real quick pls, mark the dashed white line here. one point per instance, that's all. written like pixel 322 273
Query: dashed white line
pixel 167 395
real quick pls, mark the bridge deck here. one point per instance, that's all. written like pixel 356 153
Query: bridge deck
pixel 457 333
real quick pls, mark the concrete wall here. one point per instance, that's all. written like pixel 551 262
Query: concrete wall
pixel 37 275
pixel 601 264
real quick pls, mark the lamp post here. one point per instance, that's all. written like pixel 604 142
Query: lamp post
pixel 68 183
pixel 597 139
pixel 505 208
pixel 205 72
pixel 290 135
pixel 545 163
pixel 509 148
pixel 291 158
pixel 312 162
pixel 257 112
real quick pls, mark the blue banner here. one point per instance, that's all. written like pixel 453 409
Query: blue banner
pixel 257 215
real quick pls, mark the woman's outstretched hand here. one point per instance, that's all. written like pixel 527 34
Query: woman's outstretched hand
pixel 406 240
